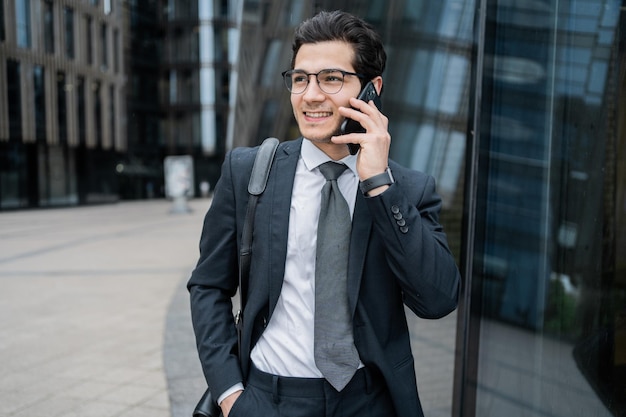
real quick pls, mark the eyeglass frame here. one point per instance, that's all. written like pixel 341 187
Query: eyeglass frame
pixel 308 78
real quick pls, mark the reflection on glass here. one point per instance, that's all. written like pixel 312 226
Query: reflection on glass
pixel 14 94
pixel 550 299
pixel 68 16
pixel 80 110
pixel 2 30
pixel 22 23
pixel 48 27
pixel 39 103
pixel 112 106
pixel 97 112
pixel 104 63
pixel 61 107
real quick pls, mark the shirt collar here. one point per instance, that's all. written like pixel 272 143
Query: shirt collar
pixel 313 157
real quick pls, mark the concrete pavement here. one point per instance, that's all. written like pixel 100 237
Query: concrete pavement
pixel 94 315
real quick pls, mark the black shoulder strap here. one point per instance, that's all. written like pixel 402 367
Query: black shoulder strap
pixel 207 406
pixel 262 165
pixel 256 186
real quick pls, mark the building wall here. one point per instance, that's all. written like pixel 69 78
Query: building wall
pixel 513 106
pixel 62 101
pixel 181 64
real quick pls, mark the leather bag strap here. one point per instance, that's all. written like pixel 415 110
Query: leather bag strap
pixel 256 186
pixel 207 406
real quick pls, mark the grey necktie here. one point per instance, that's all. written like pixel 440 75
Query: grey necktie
pixel 334 351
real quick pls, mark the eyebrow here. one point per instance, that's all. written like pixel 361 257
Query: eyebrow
pixel 323 69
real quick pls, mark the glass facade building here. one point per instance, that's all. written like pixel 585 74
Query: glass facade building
pixel 94 95
pixel 62 107
pixel 514 106
pixel 181 72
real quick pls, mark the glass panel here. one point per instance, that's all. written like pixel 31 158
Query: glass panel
pixel 268 118
pixel 40 103
pixel 270 75
pixel 22 23
pixel 14 94
pixel 104 47
pixel 48 27
pixel 97 112
pixel 89 41
pixel 68 15
pixel 548 289
pixel 13 171
pixel 112 124
pixel 2 26
pixel 81 110
pixel 292 13
pixel 61 107
pixel 116 51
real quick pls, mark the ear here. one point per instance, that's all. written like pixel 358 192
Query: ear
pixel 378 83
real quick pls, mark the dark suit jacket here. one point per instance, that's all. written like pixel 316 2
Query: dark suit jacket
pixel 398 255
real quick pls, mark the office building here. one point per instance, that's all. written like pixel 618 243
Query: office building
pixel 62 102
pixel 514 107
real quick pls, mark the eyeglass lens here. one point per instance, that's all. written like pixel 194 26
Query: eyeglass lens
pixel 330 81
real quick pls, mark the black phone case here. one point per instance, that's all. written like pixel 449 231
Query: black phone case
pixel 351 126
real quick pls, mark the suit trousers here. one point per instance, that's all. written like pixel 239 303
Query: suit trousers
pixel 366 395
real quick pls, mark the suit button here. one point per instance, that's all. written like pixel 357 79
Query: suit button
pixel 395 209
pixel 404 229
pixel 397 216
pixel 401 222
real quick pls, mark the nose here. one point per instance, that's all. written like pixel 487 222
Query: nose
pixel 313 92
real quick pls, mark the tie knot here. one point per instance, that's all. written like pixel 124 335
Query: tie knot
pixel 332 170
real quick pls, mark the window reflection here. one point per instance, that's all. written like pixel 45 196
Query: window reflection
pixel 2 29
pixel 61 107
pixel 48 26
pixel 39 103
pixel 68 16
pixel 104 57
pixel 550 302
pixel 14 94
pixel 22 23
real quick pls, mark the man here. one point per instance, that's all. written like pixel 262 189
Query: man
pixel 397 252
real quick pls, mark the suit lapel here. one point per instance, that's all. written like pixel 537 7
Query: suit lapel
pixel 282 178
pixel 361 228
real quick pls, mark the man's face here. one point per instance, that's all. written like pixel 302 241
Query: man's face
pixel 316 111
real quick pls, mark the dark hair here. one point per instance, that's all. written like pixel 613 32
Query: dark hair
pixel 369 53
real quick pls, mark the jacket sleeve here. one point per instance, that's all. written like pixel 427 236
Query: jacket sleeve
pixel 406 219
pixel 214 280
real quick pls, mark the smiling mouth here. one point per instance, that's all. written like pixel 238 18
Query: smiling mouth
pixel 317 115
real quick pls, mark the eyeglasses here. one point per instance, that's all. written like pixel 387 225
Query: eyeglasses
pixel 329 80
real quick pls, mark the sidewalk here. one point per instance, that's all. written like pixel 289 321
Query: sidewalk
pixel 94 315
pixel 85 292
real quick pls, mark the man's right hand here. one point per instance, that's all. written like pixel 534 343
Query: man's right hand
pixel 227 403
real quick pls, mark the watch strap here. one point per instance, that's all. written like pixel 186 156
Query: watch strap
pixel 376 181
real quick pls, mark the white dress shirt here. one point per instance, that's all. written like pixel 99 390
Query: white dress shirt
pixel 286 346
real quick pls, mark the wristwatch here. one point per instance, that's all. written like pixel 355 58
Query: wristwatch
pixel 376 181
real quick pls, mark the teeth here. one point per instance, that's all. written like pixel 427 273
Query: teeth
pixel 318 115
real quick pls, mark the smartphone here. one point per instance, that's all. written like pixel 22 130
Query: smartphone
pixel 352 126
